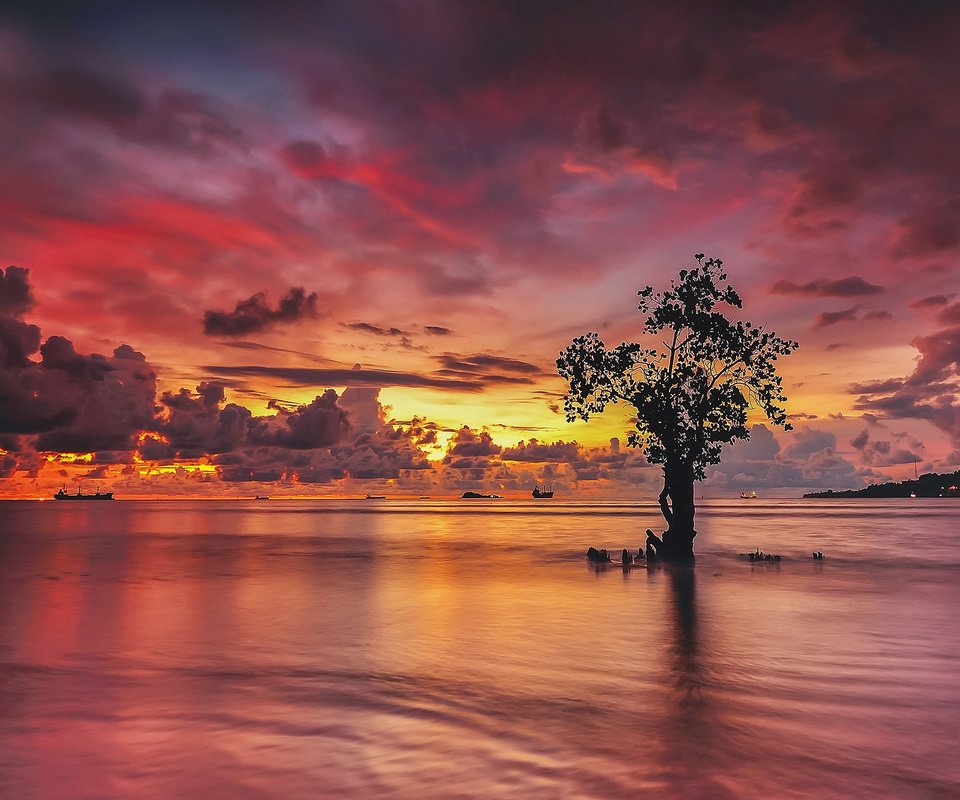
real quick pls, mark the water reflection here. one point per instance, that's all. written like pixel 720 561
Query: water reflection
pixel 685 654
pixel 690 727
pixel 331 653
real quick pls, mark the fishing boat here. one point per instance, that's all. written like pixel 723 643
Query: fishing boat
pixel 375 497
pixel 262 497
pixel 62 495
pixel 542 492
pixel 750 496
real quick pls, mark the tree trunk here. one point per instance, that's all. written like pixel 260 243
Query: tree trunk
pixel 677 542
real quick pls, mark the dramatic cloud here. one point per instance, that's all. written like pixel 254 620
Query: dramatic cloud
pixel 949 315
pixel 489 369
pixel 174 118
pixel 197 425
pixel 113 398
pixel 468 443
pixel 77 403
pixel 376 330
pixel 827 318
pixel 254 314
pixel 881 452
pixel 534 450
pixel 304 376
pixel 928 234
pixel 16 297
pixel 933 301
pixel 322 423
pixel 810 461
pixel 852 286
pixel 80 91
pixel 511 172
pixel 930 392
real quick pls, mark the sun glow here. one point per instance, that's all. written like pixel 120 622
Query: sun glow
pixel 68 458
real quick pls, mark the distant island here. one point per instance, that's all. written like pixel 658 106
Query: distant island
pixel 930 484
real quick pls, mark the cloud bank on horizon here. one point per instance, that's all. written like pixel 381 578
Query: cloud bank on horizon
pixel 447 193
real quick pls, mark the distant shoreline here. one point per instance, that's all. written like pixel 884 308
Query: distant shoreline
pixel 929 485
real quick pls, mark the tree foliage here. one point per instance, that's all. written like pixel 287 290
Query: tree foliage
pixel 694 378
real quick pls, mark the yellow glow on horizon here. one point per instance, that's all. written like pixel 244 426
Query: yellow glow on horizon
pixel 172 469
pixel 68 458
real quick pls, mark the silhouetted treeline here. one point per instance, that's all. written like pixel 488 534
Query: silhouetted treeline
pixel 930 484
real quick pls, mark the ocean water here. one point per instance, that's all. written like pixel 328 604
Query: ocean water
pixel 434 649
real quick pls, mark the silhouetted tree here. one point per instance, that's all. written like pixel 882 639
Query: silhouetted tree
pixel 690 386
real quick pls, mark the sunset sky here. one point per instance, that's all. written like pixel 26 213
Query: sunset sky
pixel 335 248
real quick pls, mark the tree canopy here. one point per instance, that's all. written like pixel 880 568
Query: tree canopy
pixel 691 381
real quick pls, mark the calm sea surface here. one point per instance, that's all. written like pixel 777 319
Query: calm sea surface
pixel 429 649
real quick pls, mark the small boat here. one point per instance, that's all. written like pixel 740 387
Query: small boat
pixel 542 492
pixel 751 496
pixel 62 495
pixel 479 496
pixel 262 497
pixel 375 497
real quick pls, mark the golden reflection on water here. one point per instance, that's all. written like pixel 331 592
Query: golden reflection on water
pixel 161 650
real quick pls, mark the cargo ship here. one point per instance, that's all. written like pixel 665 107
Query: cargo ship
pixel 62 495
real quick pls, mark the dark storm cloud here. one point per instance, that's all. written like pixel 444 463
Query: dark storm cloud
pixel 24 408
pixel 16 297
pixel 113 398
pixel 484 363
pixel 852 286
pixel 321 423
pixel 75 402
pixel 195 425
pixel 255 314
pixel 59 353
pixel 827 318
pixel 376 330
pixel 18 340
pixel 302 376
